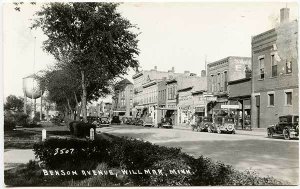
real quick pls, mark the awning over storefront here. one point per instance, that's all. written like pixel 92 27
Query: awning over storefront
pixel 167 108
pixel 199 109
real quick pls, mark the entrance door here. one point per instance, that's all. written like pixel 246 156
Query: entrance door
pixel 257 99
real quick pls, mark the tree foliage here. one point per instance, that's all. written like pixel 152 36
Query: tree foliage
pixel 14 103
pixel 91 39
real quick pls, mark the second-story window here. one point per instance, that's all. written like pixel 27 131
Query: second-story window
pixel 288 67
pixel 225 81
pixel 274 66
pixel 262 68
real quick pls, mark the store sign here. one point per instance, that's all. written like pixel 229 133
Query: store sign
pixel 211 98
pixel 230 106
pixel 199 109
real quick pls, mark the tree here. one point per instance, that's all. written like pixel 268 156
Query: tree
pixel 92 39
pixel 14 103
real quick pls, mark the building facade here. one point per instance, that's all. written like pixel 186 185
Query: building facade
pixel 239 91
pixel 275 73
pixel 123 98
pixel 219 73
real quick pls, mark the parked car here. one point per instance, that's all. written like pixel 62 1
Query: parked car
pixel 104 121
pixel 222 124
pixel 288 126
pixel 196 125
pixel 148 122
pixel 205 124
pixel 137 122
pixel 165 123
pixel 116 120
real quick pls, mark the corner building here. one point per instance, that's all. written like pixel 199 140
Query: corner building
pixel 275 73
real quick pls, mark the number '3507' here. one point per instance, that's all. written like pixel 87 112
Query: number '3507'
pixel 63 151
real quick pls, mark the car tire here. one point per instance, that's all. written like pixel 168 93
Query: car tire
pixel 233 132
pixel 219 130
pixel 270 133
pixel 286 134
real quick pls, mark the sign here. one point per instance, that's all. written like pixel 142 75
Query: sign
pixel 230 106
pixel 199 109
pixel 211 98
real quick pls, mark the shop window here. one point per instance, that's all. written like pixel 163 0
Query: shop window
pixel 271 99
pixel 288 67
pixel 262 68
pixel 274 66
pixel 288 98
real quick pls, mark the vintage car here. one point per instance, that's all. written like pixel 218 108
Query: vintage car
pixel 165 123
pixel 137 122
pixel 104 121
pixel 205 124
pixel 148 122
pixel 129 121
pixel 223 124
pixel 288 126
pixel 115 120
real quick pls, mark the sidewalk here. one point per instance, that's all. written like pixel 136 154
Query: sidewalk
pixel 253 132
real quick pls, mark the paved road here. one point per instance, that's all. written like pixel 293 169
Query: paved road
pixel 274 157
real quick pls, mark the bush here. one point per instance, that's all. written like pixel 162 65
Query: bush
pixel 79 152
pixel 21 118
pixel 173 179
pixel 132 154
pixel 9 125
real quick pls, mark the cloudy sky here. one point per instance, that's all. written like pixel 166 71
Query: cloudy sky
pixel 176 35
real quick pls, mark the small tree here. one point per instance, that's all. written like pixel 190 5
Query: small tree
pixel 92 39
pixel 14 103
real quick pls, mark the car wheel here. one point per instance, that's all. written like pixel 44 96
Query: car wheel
pixel 233 132
pixel 270 133
pixel 286 134
pixel 219 130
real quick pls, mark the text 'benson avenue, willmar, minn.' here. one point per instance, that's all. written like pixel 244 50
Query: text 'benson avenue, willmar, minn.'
pixel 115 172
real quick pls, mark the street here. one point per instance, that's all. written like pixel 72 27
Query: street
pixel 267 156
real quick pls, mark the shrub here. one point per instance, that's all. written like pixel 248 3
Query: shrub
pixel 9 125
pixel 21 118
pixel 79 152
pixel 132 154
pixel 173 179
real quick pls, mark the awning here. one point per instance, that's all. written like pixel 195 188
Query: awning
pixel 167 108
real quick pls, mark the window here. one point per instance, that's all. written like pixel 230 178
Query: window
pixel 262 68
pixel 271 99
pixel 212 83
pixel 219 82
pixel 274 66
pixel 288 98
pixel 225 81
pixel 288 67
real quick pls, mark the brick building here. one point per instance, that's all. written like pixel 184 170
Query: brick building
pixel 275 73
pixel 219 73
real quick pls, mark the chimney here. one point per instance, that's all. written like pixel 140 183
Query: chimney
pixel 284 15
pixel 203 73
pixel 173 69
pixel 155 67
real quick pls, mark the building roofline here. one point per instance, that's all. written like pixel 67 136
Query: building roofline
pixel 225 59
pixel 184 89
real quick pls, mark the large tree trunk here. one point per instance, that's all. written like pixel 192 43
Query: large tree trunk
pixel 70 109
pixel 83 102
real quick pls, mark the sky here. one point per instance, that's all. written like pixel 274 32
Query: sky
pixel 176 35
